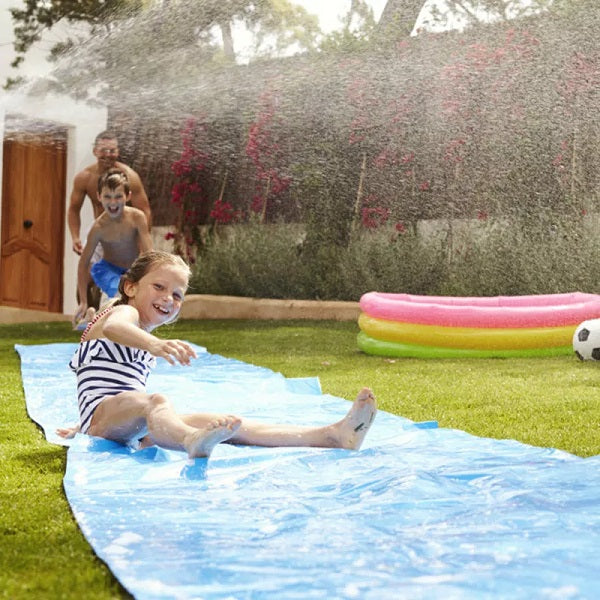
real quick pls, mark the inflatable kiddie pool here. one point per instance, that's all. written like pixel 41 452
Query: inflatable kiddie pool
pixel 406 325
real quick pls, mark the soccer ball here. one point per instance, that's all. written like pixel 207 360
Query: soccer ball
pixel 586 340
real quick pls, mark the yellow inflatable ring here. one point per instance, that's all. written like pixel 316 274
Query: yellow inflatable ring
pixel 482 338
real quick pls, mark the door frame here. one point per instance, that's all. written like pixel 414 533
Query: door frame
pixel 41 135
pixel 82 122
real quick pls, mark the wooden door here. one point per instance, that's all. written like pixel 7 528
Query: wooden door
pixel 33 209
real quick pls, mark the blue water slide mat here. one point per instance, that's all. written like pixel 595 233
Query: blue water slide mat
pixel 418 512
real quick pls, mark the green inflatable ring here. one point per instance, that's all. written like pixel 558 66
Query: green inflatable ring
pixel 369 345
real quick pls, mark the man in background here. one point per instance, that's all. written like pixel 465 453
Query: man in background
pixel 85 184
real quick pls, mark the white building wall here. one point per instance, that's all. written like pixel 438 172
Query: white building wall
pixel 83 123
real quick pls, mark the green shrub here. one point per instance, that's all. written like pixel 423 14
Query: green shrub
pixel 479 258
pixel 516 257
pixel 386 261
pixel 260 261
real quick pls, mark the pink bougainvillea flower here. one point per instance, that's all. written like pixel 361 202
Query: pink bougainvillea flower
pixel 223 212
pixel 375 217
pixel 257 204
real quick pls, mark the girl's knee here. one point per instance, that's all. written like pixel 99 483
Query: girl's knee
pixel 157 401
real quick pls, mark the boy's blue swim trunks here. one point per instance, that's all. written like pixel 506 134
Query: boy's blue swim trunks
pixel 107 277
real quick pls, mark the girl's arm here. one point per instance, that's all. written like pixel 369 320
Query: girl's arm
pixel 122 325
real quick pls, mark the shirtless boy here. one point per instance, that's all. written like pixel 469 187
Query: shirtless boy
pixel 106 151
pixel 122 232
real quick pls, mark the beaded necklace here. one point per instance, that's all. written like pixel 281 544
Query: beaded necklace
pixel 94 320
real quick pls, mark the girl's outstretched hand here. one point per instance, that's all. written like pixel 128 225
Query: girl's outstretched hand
pixel 173 351
pixel 68 432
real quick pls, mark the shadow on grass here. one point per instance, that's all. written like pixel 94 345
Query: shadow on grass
pixel 52 459
pixel 37 333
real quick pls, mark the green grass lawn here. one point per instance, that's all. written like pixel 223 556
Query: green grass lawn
pixel 551 402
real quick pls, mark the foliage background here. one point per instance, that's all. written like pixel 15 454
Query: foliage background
pixel 493 120
pixel 459 162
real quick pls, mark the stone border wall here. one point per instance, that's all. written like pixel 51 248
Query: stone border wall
pixel 201 306
pixel 204 306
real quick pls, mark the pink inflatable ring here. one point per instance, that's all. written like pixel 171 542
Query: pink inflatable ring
pixel 549 310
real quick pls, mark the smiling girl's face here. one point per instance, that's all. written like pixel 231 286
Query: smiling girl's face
pixel 158 295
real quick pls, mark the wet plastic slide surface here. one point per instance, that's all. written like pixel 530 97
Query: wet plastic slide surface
pixel 418 512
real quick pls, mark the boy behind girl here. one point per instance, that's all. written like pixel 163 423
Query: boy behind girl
pixel 123 233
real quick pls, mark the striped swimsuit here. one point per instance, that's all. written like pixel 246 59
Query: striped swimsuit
pixel 105 368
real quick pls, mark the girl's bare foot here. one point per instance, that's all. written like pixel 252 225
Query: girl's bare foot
pixel 201 443
pixel 350 432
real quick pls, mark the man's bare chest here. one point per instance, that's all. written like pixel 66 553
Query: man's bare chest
pixel 92 194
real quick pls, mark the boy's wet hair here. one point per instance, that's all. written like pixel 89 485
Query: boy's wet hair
pixel 112 179
pixel 144 263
